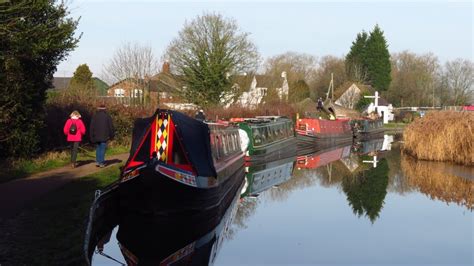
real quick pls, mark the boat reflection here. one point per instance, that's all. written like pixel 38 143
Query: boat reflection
pixel 359 169
pixel 173 239
pixel 262 176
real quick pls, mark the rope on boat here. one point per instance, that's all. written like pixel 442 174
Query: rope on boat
pixel 109 257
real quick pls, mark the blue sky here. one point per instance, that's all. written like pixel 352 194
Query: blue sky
pixel 318 28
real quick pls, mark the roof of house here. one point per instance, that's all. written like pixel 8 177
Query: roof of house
pixel 338 92
pixel 162 82
pixel 166 82
pixel 61 83
pixel 243 81
pixel 101 86
pixel 266 81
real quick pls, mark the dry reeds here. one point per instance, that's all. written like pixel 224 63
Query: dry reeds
pixel 441 136
pixel 434 179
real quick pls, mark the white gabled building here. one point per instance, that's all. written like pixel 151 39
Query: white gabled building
pixel 257 89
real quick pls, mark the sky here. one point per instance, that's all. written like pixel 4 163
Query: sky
pixel 318 28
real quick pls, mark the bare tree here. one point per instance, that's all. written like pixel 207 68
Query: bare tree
pixel 134 62
pixel 414 79
pixel 458 79
pixel 208 51
pixel 299 69
pixel 327 65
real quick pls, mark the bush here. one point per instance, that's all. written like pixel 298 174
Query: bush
pixel 57 113
pixel 276 108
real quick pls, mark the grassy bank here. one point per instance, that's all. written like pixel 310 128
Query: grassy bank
pixel 22 168
pixel 441 136
pixel 51 230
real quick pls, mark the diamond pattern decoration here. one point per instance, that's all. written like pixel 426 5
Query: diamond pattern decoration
pixel 162 137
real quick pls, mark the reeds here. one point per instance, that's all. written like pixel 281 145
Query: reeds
pixel 441 136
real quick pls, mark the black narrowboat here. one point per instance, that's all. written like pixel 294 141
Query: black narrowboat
pixel 178 163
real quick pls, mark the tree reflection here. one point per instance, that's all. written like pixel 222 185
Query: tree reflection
pixel 438 180
pixel 367 189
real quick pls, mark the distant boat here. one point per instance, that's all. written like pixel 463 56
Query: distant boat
pixel 269 137
pixel 367 128
pixel 323 132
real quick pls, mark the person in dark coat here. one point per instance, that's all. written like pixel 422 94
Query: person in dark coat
pixel 101 130
pixel 200 116
pixel 320 104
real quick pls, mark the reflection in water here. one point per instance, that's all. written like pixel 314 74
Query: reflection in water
pixel 440 181
pixel 367 189
pixel 176 240
pixel 348 169
pixel 358 169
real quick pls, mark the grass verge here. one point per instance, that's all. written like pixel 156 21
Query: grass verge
pixel 51 160
pixel 51 230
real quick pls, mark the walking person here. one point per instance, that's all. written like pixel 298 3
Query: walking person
pixel 74 129
pixel 101 130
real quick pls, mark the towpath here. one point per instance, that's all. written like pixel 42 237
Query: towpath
pixel 16 194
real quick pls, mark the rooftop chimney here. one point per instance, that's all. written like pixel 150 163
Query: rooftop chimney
pixel 166 67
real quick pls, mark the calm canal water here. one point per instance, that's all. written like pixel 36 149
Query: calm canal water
pixel 339 207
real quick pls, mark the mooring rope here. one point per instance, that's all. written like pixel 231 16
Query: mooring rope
pixel 109 257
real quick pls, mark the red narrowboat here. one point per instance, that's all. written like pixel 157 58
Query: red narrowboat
pixel 315 131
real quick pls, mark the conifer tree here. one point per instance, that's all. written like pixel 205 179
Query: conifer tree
pixel 356 66
pixel 377 59
pixel 82 80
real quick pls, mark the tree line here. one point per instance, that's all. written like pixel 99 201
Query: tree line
pixel 207 55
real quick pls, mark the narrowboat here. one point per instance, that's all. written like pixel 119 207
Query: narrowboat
pixel 262 176
pixel 367 128
pixel 322 132
pixel 268 137
pixel 179 163
pixel 177 240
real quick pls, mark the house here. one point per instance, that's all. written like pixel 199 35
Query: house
pixel 382 108
pixel 349 94
pixel 164 88
pixel 258 87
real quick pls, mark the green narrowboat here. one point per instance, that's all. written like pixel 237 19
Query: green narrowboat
pixel 367 128
pixel 268 137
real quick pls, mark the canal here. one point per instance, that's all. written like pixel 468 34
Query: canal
pixel 358 204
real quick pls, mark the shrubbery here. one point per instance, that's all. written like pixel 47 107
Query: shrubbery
pixel 57 112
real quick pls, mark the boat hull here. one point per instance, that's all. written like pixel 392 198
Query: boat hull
pixel 324 140
pixel 321 132
pixel 156 194
pixel 275 151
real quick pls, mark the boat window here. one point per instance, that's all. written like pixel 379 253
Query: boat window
pixel 224 145
pixel 217 146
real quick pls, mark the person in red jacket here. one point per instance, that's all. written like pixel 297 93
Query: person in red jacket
pixel 74 129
